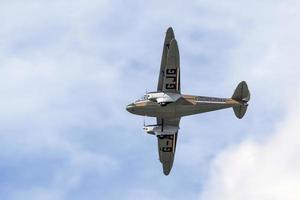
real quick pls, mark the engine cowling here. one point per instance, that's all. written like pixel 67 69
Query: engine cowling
pixel 161 97
pixel 159 130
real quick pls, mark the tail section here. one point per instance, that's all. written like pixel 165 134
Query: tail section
pixel 242 95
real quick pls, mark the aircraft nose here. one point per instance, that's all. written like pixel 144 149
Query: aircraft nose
pixel 130 107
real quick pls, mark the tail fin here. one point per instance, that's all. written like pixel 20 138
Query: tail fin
pixel 242 95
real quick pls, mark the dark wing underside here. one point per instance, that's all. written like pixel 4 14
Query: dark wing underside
pixel 168 81
pixel 167 144
pixel 169 74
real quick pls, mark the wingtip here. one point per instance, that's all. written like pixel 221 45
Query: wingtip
pixel 170 31
pixel 167 168
pixel 170 28
pixel 167 172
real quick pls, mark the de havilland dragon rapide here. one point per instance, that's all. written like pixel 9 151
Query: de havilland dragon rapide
pixel 168 105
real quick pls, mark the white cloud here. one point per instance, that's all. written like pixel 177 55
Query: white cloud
pixel 50 85
pixel 62 62
pixel 265 167
pixel 264 170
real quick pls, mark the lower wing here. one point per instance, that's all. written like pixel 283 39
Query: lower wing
pixel 167 144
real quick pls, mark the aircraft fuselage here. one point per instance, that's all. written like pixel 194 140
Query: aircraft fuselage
pixel 184 106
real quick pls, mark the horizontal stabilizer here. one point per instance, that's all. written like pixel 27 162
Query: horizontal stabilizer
pixel 242 95
pixel 240 111
pixel 241 92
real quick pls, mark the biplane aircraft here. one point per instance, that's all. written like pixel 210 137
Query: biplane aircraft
pixel 168 105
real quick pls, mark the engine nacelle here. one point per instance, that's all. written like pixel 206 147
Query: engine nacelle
pixel 161 97
pixel 159 130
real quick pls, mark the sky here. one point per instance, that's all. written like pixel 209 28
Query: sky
pixel 69 68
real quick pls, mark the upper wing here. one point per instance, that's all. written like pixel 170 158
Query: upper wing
pixel 167 144
pixel 169 37
pixel 169 75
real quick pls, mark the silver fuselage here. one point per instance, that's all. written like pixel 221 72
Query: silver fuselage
pixel 184 106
